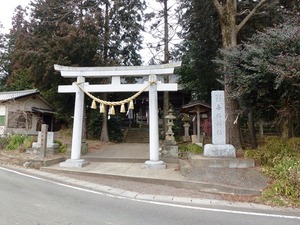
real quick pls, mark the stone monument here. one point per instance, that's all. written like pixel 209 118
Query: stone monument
pixel 45 143
pixel 218 148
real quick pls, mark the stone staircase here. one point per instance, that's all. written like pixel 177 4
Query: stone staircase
pixel 137 135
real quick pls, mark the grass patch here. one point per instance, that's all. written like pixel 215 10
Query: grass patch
pixel 62 148
pixel 18 142
pixel 189 148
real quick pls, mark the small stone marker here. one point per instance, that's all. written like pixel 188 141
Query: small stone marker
pixel 186 125
pixel 218 148
pixel 44 141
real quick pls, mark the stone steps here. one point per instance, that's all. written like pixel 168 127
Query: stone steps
pixel 137 135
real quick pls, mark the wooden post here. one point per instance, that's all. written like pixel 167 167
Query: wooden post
pixel 198 125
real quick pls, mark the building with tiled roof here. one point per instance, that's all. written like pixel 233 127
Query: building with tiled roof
pixel 23 112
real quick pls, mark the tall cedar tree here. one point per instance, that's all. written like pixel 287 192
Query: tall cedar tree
pixel 228 11
pixel 74 33
pixel 202 27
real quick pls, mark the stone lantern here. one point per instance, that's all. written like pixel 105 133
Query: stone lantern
pixel 186 124
pixel 169 149
pixel 169 134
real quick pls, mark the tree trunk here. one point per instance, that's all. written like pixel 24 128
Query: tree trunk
pixel 227 10
pixel 261 128
pixel 252 130
pixel 231 105
pixel 166 60
pixel 104 137
pixel 232 119
pixel 166 109
pixel 229 39
pixel 287 125
pixel 106 32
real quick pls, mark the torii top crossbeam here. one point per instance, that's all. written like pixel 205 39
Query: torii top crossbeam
pixel 73 72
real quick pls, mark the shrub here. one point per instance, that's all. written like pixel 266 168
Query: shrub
pixel 281 162
pixel 113 124
pixel 272 150
pixel 62 148
pixel 184 149
pixel 115 129
pixel 18 141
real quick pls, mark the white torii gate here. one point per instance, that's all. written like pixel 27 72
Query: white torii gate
pixel 115 73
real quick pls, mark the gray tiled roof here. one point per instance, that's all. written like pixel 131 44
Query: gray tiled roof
pixel 5 96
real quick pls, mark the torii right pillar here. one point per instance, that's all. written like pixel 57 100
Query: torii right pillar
pixel 154 162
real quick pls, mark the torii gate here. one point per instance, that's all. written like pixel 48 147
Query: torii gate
pixel 115 86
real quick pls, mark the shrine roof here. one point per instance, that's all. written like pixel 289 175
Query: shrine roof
pixel 5 96
pixel 192 107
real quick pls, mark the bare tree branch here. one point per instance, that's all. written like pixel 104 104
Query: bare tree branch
pixel 218 6
pixel 239 27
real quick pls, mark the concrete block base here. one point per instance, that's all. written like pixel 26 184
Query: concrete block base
pixel 154 165
pixel 74 163
pixel 169 151
pixel 211 150
pixel 200 161
pixel 49 145
pixel 51 162
pixel 186 138
pixel 37 151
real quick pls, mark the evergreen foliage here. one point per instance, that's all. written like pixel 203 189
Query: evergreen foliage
pixel 264 75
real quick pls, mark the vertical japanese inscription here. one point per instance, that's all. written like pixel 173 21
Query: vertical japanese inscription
pixel 218 118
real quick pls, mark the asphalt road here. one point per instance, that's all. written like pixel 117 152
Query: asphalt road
pixel 28 200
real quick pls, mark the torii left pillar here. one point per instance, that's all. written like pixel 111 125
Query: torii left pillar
pixel 75 160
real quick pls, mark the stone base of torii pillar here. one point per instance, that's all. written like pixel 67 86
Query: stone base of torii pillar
pixel 154 165
pixel 75 163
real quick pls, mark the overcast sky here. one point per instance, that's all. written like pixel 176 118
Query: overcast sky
pixel 7 10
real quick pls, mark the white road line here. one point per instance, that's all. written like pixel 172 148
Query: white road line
pixel 154 202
